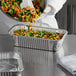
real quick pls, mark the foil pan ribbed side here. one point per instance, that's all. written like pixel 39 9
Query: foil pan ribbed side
pixel 38 43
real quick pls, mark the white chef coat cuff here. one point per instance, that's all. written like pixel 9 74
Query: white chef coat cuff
pixel 56 5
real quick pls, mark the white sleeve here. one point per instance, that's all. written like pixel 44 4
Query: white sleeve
pixel 56 4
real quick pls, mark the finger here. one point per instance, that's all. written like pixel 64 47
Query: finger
pixel 47 9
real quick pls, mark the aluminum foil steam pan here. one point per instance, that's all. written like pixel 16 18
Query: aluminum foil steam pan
pixel 38 43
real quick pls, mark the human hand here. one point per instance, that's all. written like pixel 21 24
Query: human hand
pixel 26 3
pixel 45 12
pixel 47 9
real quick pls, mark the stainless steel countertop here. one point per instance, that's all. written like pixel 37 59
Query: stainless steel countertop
pixel 38 62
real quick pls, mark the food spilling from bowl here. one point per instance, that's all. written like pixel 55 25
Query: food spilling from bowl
pixel 28 14
pixel 37 34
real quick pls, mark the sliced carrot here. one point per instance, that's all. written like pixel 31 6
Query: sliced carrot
pixel 32 19
pixel 61 34
pixel 30 30
pixel 12 7
pixel 6 9
pixel 3 8
pixel 30 25
pixel 28 7
pixel 15 33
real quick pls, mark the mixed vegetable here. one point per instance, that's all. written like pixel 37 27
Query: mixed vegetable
pixel 37 34
pixel 38 7
pixel 28 14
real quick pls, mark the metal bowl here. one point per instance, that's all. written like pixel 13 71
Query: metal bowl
pixel 11 16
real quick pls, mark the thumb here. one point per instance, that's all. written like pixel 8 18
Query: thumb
pixel 47 9
pixel 42 16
